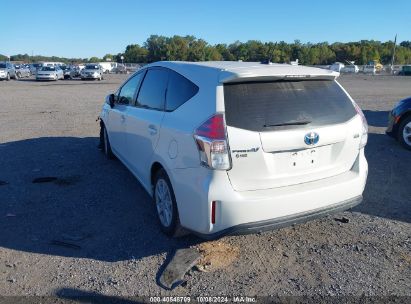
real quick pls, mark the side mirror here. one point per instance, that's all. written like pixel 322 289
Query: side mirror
pixel 110 100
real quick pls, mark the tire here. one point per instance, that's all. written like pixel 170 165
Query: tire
pixel 404 133
pixel 106 144
pixel 8 77
pixel 166 205
pixel 16 76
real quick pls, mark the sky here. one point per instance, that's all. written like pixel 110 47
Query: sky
pixel 86 28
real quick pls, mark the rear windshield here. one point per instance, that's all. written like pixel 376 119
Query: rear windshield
pixel 263 106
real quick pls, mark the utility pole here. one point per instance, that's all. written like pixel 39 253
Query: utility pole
pixel 393 54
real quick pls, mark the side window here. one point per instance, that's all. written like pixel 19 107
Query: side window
pixel 179 90
pixel 153 90
pixel 127 91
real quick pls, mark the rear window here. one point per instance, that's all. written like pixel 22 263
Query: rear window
pixel 263 106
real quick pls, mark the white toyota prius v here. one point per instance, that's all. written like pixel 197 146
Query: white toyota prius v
pixel 238 147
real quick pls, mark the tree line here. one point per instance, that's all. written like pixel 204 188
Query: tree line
pixel 190 48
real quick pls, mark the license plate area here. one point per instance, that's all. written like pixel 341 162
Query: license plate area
pixel 302 161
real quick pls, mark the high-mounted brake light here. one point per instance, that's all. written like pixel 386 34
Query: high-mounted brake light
pixel 212 143
pixel 364 134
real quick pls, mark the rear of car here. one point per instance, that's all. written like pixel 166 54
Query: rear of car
pixel 277 151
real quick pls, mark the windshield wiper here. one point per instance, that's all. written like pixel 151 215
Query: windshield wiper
pixel 289 123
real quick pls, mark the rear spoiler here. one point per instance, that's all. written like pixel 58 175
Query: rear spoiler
pixel 275 75
pixel 235 79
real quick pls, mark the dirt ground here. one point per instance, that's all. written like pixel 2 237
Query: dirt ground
pixel 92 231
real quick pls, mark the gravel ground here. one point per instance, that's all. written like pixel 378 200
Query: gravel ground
pixel 93 230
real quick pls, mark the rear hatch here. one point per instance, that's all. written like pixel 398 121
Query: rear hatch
pixel 284 133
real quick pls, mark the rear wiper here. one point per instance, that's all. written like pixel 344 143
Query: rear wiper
pixel 289 123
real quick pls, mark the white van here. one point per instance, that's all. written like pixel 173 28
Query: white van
pixel 236 147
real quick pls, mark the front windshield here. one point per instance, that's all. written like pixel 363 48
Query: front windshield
pixel 48 68
pixel 2 65
pixel 92 67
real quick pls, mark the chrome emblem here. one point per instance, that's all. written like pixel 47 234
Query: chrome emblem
pixel 311 138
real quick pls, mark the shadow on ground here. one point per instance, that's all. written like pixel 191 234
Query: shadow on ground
pixel 388 192
pixel 94 209
pixel 376 118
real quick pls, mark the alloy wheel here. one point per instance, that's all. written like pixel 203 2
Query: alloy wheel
pixel 164 202
pixel 406 133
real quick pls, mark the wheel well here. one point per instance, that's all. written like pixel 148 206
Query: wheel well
pixel 154 169
pixel 404 116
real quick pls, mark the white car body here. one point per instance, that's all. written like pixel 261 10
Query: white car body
pixel 262 179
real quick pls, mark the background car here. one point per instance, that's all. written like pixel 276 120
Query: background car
pixel 337 66
pixel 22 71
pixel 405 70
pixel 92 71
pixel 7 71
pixel 120 69
pixel 50 73
pixel 369 69
pixel 68 72
pixel 352 68
pixel 399 123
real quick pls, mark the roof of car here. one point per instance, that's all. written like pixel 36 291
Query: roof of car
pixel 231 71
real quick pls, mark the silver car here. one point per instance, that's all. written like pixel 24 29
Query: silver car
pixel 49 73
pixel 7 71
pixel 22 71
pixel 92 71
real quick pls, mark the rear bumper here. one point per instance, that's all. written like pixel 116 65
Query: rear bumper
pixel 276 223
pixel 392 127
pixel 253 211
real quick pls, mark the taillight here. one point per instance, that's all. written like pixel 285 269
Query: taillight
pixel 212 143
pixel 364 133
pixel 213 212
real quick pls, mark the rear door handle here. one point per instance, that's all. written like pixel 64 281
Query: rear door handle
pixel 123 118
pixel 152 129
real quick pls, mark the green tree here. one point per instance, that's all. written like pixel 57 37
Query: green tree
pixel 134 54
